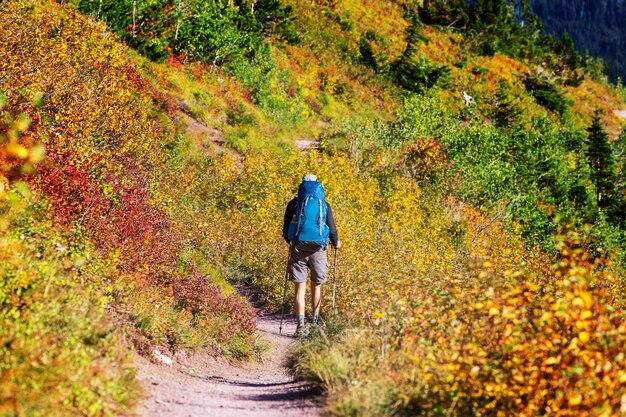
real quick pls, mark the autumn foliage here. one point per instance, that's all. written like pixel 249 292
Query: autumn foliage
pixel 130 191
pixel 547 343
pixel 90 263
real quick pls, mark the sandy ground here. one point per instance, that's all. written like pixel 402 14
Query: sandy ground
pixel 200 385
pixel 304 145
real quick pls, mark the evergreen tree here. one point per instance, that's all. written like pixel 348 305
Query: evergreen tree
pixel 492 12
pixel 568 50
pixel 600 157
pixel 452 13
pixel 495 29
pixel 504 110
pixel 413 72
pixel 530 19
pixel 620 156
pixel 619 148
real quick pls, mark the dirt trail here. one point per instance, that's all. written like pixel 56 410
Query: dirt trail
pixel 305 144
pixel 200 385
pixel 210 139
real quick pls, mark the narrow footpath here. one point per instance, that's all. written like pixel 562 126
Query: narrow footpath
pixel 203 386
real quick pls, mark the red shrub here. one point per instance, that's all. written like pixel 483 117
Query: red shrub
pixel 123 219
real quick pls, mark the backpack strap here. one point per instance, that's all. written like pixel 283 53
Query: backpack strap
pixel 301 215
pixel 320 219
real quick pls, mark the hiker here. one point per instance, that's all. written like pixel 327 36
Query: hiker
pixel 307 227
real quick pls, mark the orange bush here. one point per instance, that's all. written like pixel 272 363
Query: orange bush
pixel 520 348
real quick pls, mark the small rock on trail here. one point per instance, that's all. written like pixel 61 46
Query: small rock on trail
pixel 200 385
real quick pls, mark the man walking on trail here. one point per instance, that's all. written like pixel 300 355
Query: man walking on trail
pixel 307 227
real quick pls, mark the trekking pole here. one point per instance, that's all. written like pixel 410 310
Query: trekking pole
pixel 282 310
pixel 334 284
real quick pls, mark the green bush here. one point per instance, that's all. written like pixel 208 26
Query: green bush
pixel 59 355
pixel 210 33
pixel 213 31
pixel 269 86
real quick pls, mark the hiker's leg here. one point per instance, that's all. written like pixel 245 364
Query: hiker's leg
pixel 316 299
pixel 300 302
pixel 298 271
pixel 301 328
pixel 318 262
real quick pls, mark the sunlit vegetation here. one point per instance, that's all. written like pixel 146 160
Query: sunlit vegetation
pixel 90 263
pixel 482 269
pixel 483 342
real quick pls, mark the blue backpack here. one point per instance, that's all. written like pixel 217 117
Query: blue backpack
pixel 308 229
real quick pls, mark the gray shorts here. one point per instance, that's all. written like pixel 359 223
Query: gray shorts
pixel 299 262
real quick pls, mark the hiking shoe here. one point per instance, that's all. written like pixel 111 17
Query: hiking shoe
pixel 301 330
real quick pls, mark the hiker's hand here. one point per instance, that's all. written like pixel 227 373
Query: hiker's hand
pixel 338 244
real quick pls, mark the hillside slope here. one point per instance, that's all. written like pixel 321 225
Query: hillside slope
pixel 480 272
pixel 92 260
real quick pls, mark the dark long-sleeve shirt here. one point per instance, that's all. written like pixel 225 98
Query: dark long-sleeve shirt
pixel 330 221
